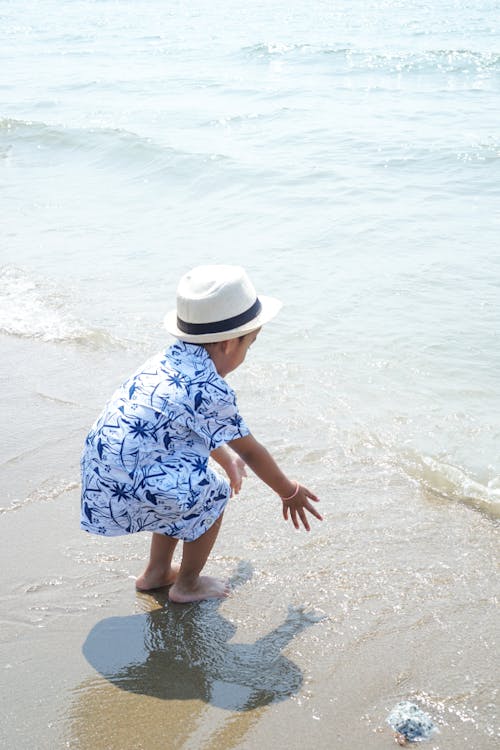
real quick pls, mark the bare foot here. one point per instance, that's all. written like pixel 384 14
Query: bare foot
pixel 157 579
pixel 205 587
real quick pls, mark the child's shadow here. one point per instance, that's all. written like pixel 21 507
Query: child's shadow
pixel 182 652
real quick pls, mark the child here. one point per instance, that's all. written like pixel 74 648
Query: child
pixel 145 462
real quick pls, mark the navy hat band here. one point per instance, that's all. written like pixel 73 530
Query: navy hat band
pixel 219 326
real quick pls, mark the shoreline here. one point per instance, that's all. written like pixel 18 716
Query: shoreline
pixel 375 614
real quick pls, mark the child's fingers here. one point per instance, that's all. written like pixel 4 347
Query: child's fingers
pixel 298 516
pixel 304 520
pixel 293 515
pixel 311 495
pixel 314 512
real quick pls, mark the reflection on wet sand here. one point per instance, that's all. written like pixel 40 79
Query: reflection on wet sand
pixel 182 657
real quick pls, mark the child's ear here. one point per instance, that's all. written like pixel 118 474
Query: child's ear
pixel 229 345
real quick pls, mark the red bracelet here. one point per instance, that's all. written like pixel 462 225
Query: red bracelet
pixel 297 488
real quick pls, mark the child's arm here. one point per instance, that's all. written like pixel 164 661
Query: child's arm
pixel 263 464
pixel 232 464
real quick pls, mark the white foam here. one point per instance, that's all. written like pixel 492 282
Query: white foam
pixel 455 483
pixel 37 308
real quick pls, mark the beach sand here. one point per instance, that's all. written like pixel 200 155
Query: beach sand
pixel 391 598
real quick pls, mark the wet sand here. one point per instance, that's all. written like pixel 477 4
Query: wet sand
pixel 88 663
pixel 393 597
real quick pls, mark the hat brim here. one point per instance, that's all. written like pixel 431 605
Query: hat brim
pixel 270 308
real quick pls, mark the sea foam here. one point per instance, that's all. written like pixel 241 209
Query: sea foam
pixel 36 308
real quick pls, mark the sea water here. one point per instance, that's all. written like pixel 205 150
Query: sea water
pixel 347 154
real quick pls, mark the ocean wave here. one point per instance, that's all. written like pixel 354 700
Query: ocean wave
pixel 248 117
pixel 428 61
pixel 79 139
pixel 444 60
pixel 270 50
pixel 453 483
pixel 37 309
pixel 141 157
pixel 408 157
pixel 39 132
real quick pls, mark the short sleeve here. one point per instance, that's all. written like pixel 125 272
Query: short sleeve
pixel 218 419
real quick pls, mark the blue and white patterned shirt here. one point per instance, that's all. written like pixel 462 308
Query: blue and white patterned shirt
pixel 145 462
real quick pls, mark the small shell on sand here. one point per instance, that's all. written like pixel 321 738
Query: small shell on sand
pixel 410 723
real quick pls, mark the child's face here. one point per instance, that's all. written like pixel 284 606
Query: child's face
pixel 229 355
pixel 243 345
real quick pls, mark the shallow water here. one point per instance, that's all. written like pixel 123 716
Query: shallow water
pixel 349 158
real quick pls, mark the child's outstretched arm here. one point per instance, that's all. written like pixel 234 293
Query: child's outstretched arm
pixel 296 498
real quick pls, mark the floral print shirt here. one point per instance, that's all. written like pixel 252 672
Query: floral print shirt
pixel 145 461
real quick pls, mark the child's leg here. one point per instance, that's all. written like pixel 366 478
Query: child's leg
pixel 189 586
pixel 159 571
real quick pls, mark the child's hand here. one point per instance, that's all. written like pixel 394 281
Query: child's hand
pixel 235 471
pixel 263 464
pixel 233 465
pixel 296 507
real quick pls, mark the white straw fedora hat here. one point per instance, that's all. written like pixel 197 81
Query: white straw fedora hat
pixel 216 303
